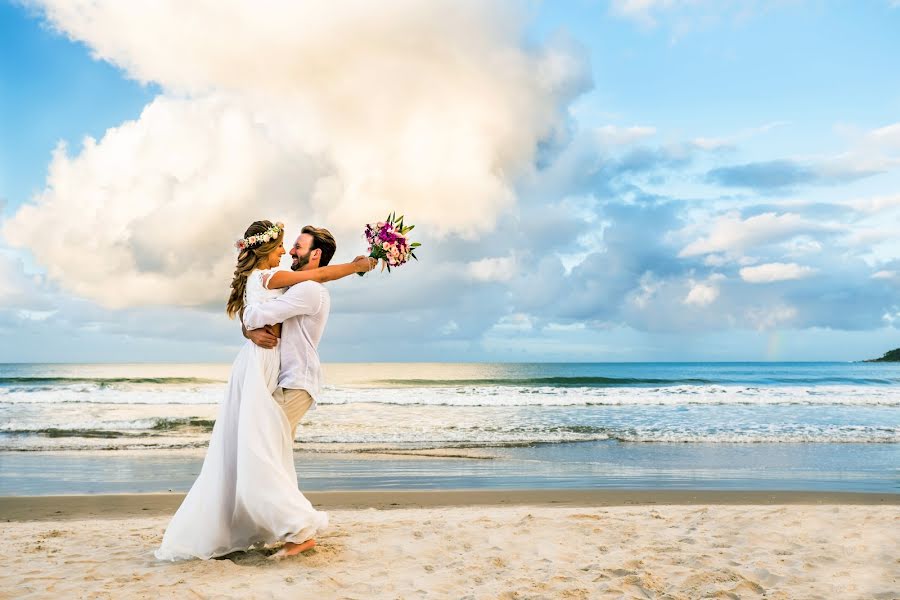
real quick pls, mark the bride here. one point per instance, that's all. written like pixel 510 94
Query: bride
pixel 247 493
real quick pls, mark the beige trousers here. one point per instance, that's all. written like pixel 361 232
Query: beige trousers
pixel 294 403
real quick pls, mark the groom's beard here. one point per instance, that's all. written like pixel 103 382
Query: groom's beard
pixel 300 262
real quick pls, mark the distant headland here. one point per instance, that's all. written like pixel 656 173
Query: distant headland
pixel 889 356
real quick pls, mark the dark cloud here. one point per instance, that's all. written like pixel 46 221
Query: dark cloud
pixel 784 174
pixel 769 175
pixel 633 243
pixel 644 160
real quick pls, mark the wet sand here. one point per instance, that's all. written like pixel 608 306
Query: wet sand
pixel 38 508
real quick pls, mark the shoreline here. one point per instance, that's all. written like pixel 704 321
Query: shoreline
pixel 600 465
pixel 115 506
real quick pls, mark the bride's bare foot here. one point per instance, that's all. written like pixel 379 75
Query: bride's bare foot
pixel 292 549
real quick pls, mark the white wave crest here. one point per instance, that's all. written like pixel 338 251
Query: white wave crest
pixel 620 396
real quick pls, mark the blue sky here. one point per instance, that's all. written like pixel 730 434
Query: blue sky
pixel 52 90
pixel 717 182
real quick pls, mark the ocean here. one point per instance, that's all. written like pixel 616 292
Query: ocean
pixel 77 428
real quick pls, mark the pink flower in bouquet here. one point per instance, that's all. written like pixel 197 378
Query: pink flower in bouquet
pixel 388 242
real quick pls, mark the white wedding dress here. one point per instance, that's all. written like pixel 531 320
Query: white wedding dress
pixel 246 493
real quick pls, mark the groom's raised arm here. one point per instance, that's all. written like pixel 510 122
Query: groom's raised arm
pixel 298 300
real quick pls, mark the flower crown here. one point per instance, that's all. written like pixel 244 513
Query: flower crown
pixel 268 235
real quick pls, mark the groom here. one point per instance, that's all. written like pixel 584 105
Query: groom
pixel 303 309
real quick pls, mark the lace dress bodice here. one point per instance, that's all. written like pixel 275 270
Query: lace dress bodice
pixel 256 290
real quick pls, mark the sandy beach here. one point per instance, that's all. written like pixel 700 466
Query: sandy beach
pixel 524 544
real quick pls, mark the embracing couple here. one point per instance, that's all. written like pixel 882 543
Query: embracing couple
pixel 247 493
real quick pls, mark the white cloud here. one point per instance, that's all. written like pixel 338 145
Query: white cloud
pixel 646 290
pixel 871 151
pixel 298 111
pixel 566 327
pixel 146 216
pixel 35 315
pixel 709 144
pixel 684 16
pixel 776 271
pixel 492 269
pixel 731 141
pixel 732 233
pixel 17 289
pixel 875 204
pixel 702 294
pixel 802 246
pixel 867 237
pixel 889 135
pixel 514 323
pixel 715 260
pixel 770 317
pixel 866 224
pixel 642 11
pixel 449 328
pixel 611 135
pixel 854 165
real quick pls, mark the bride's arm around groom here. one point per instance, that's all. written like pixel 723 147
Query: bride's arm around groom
pixel 299 299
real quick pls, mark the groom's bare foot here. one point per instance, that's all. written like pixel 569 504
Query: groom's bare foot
pixel 292 549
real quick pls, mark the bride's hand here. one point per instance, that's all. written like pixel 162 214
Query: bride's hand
pixel 264 338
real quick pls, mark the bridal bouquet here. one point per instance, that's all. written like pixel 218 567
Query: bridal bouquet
pixel 388 242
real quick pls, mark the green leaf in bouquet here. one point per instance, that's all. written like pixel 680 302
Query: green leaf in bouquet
pixel 415 245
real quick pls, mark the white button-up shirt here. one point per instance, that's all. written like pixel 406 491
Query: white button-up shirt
pixel 303 309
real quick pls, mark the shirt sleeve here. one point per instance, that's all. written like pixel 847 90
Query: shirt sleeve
pixel 298 300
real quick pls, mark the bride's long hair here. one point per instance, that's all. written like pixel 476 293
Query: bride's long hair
pixel 249 259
